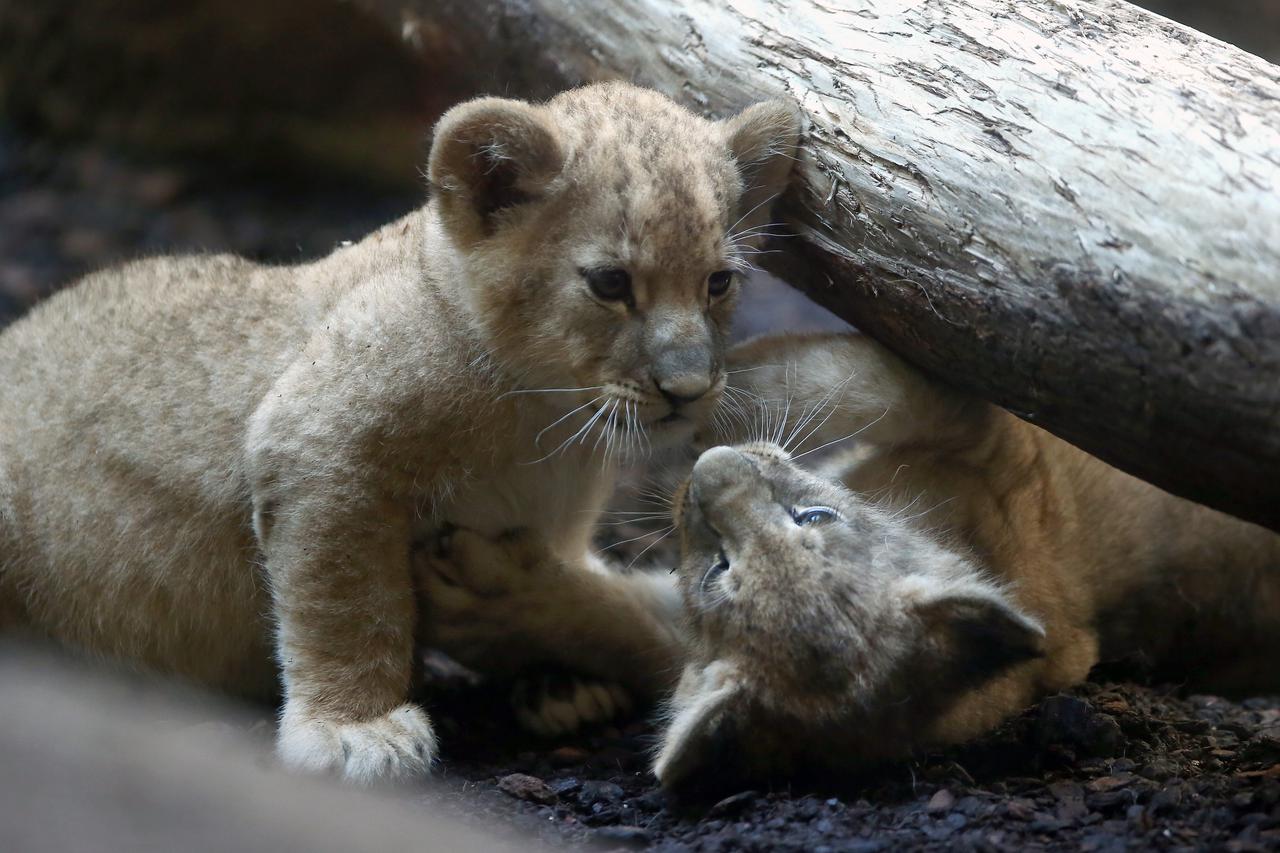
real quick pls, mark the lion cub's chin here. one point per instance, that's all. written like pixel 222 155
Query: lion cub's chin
pixel 673 431
pixel 827 634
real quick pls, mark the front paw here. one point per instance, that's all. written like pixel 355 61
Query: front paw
pixel 483 567
pixel 398 745
pixel 479 594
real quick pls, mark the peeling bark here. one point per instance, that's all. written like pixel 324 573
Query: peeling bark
pixel 1069 208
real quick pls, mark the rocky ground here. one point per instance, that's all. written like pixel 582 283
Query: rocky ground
pixel 1107 767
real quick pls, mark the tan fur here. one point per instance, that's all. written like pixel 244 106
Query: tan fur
pixel 990 563
pixel 978 562
pixel 216 468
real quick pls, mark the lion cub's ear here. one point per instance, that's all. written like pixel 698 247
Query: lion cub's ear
pixel 700 734
pixel 763 140
pixel 490 155
pixel 978 631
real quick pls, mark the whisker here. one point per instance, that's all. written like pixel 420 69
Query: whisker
pixel 581 431
pixel 853 434
pixel 807 414
pixel 640 520
pixel 828 398
pixel 763 202
pixel 537 441
pixel 548 391
pixel 637 557
pixel 664 531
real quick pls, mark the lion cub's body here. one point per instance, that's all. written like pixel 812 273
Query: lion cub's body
pixel 995 563
pixel 218 469
pixel 98 416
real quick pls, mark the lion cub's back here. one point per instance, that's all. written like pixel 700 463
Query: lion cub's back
pixel 121 424
pixel 159 358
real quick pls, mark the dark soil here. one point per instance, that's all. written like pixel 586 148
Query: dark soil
pixel 1109 766
pixel 1105 767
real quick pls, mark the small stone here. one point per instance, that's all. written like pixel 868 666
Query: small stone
pixel 1165 799
pixel 1070 797
pixel 734 805
pixel 941 801
pixel 599 793
pixel 1110 783
pixel 568 756
pixel 1158 770
pixel 630 835
pixel 567 785
pixel 870 846
pixel 1019 810
pixel 1109 800
pixel 525 787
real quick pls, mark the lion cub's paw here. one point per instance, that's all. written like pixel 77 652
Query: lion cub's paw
pixel 396 746
pixel 468 563
pixel 481 593
pixel 555 704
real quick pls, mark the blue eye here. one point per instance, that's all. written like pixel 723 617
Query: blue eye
pixel 814 515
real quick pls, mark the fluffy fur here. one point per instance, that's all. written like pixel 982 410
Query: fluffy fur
pixel 216 468
pixel 972 562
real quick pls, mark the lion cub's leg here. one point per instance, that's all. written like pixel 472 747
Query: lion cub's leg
pixel 504 604
pixel 346 617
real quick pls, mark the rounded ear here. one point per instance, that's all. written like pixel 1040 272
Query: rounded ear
pixel 701 725
pixel 490 155
pixel 763 139
pixel 981 633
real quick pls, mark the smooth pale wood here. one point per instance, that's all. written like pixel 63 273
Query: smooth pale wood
pixel 1069 208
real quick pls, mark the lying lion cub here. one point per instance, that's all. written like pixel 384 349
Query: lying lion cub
pixel 969 563
pixel 217 468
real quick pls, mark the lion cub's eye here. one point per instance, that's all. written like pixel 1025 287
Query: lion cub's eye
pixel 814 515
pixel 609 284
pixel 718 283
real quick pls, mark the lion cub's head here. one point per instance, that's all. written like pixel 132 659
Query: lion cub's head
pixel 600 237
pixel 827 633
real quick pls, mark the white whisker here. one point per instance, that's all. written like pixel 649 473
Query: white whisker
pixel 537 440
pixel 663 531
pixel 853 434
pixel 548 391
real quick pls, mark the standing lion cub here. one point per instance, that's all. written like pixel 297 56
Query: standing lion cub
pixel 216 468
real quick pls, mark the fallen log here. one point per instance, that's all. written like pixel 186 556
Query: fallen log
pixel 1069 208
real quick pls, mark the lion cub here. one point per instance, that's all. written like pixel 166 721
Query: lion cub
pixel 962 564
pixel 216 468
pixel 966 563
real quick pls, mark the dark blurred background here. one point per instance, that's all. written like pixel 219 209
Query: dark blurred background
pixel 275 130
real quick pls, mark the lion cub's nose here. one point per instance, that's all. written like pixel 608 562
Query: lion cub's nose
pixel 682 374
pixel 718 473
pixel 683 389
